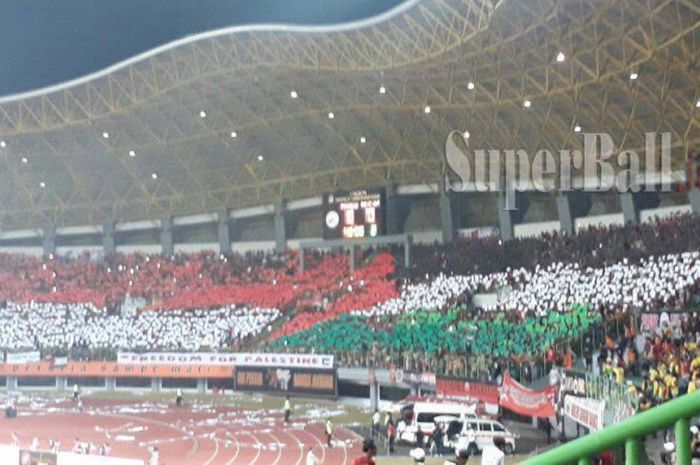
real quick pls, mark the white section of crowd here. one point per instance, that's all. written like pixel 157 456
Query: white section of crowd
pixel 64 326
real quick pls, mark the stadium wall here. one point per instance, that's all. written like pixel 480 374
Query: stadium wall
pixel 418 212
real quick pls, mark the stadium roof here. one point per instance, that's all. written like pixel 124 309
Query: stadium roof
pixel 252 115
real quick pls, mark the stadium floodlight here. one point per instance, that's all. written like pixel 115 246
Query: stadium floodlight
pixel 527 104
pixel 42 184
pixel 105 135
pixel 363 140
pixel 3 144
pixel 331 115
pixel 260 157
pixel 24 160
pixel 234 134
pixel 154 175
pixel 561 57
pixel 202 114
pixel 293 94
pixel 634 76
pixel 382 90
pixel 427 110
pixel 132 153
pixel 577 128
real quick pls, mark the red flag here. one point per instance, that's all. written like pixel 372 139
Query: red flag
pixel 524 401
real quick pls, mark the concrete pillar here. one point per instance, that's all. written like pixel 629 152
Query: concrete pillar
pixel 301 260
pixel 566 217
pixel 630 208
pixel 407 252
pixel 108 242
pixel 166 235
pixel 393 222
pixel 373 396
pixel 202 386
pixel 694 198
pixel 61 383
pixel 223 231
pixel 280 227
pixel 446 222
pixel 110 384
pixel 49 239
pixel 156 384
pixel 505 218
pixel 11 383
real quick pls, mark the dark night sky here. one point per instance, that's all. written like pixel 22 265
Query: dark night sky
pixel 44 42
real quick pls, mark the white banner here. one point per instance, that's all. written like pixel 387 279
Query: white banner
pixel 228 359
pixel 23 357
pixel 585 411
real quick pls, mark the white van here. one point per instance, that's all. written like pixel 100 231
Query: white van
pixel 478 433
pixel 425 413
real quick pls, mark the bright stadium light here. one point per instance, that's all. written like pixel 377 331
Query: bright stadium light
pixel 427 109
pixel 470 85
pixel 466 134
pixel 382 90
pixel 577 128
pixel 293 94
pixel 260 157
pixel 154 175
pixel 561 57
pixel 24 160
pixel 3 144
pixel 527 104
pixel 234 134
pixel 202 114
pixel 331 115
pixel 42 184
pixel 105 135
pixel 363 140
pixel 634 76
pixel 132 153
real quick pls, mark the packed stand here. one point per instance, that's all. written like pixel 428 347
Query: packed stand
pixel 83 331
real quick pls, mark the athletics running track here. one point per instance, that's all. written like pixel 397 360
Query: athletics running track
pixel 191 435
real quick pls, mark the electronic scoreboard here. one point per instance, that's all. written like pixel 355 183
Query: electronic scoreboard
pixel 354 215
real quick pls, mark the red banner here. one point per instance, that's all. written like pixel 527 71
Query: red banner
pixel 458 388
pixel 533 403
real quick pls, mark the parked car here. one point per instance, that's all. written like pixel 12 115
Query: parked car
pixel 479 433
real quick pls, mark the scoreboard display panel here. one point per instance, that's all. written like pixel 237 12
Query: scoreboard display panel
pixel 354 215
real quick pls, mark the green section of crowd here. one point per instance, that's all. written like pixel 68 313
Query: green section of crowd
pixel 453 331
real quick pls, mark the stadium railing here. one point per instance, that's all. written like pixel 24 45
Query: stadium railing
pixel 630 434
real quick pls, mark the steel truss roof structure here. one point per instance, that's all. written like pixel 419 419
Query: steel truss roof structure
pixel 210 122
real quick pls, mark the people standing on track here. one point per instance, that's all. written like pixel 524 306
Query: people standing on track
pixel 329 432
pixel 76 392
pixel 493 453
pixel 369 451
pixel 287 410
pixel 376 419
pixel 310 457
pixel 154 457
pixel 178 398
pixel 391 436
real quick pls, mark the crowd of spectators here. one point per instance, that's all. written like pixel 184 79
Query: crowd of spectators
pixel 84 331
pixel 214 301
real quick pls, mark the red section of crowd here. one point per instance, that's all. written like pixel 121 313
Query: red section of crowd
pixel 200 281
pixel 362 290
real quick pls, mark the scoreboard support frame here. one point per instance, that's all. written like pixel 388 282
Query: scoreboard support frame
pixel 405 239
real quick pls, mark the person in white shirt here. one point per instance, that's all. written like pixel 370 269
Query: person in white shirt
pixel 311 458
pixel 376 420
pixel 329 433
pixel 493 453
